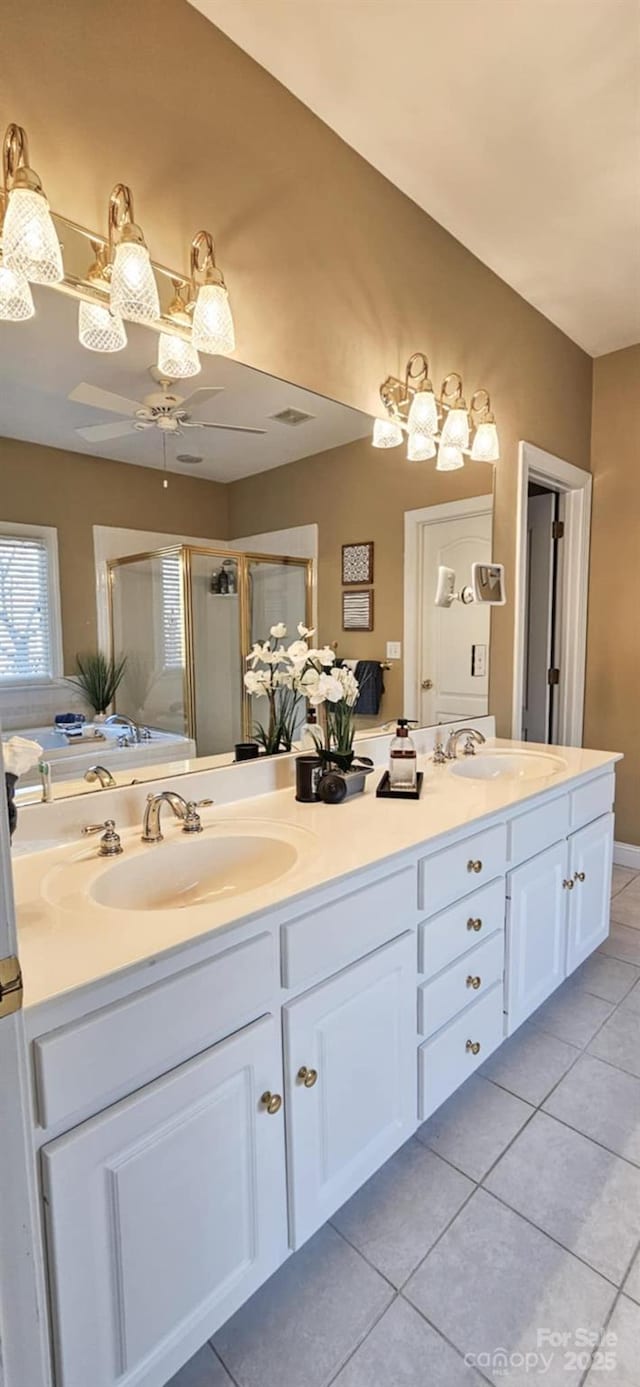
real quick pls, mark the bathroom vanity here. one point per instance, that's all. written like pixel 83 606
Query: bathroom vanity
pixel 230 1033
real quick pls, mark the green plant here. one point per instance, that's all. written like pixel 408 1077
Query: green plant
pixel 98 678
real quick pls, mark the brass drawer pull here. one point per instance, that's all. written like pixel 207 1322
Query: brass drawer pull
pixel 568 885
pixel 474 865
pixel 579 876
pixel 308 1077
pixel 474 982
pixel 272 1102
pixel 474 924
pixel 472 1047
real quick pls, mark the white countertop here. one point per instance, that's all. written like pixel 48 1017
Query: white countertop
pixel 67 940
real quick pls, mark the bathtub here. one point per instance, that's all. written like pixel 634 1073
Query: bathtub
pixel 69 759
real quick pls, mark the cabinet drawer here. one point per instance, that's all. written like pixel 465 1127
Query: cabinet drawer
pixel 592 800
pixel 455 871
pixel 84 1066
pixel 329 937
pixel 468 922
pixel 443 998
pixel 531 833
pixel 444 1062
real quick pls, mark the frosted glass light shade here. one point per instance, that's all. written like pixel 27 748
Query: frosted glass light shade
pixel 213 329
pixel 449 459
pixel 30 242
pixel 386 433
pixel 455 430
pixel 134 292
pixel 423 414
pixel 16 301
pixel 485 446
pixel 99 329
pixel 177 358
pixel 420 447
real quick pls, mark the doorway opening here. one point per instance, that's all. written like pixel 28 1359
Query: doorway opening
pixel 545 532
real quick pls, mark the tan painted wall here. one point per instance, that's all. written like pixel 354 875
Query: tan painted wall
pixel 44 486
pixel 613 644
pixel 336 276
pixel 353 493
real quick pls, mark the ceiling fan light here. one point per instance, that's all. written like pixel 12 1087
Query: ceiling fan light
pixel 134 292
pixel 420 447
pixel 30 240
pixel 16 300
pixel 213 329
pixel 485 447
pixel 177 358
pixel 100 330
pixel 423 414
pixel 449 458
pixel 455 431
pixel 386 433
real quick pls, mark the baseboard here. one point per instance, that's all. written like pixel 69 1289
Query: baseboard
pixel 626 855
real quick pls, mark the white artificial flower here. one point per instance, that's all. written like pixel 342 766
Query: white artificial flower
pixel 297 650
pixel 326 690
pixel 305 631
pixel 326 656
pixel 256 682
pixel 257 653
pixel 279 630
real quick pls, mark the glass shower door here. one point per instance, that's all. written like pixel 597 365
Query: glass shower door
pixel 277 592
pixel 217 652
pixel 148 614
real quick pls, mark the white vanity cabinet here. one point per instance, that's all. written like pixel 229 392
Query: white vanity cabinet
pixel 590 863
pixel 536 931
pixel 350 1077
pixel 164 1213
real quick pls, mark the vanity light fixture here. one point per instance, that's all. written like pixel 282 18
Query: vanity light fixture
pixel 30 242
pixel 134 292
pixel 99 328
pixel 16 299
pixel 177 356
pixel 412 408
pixel 213 329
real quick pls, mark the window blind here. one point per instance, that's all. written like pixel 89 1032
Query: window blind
pixel 172 618
pixel 25 609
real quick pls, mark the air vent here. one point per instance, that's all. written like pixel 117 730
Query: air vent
pixel 292 417
pixel 190 458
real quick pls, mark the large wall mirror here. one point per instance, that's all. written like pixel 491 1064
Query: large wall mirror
pixel 171 523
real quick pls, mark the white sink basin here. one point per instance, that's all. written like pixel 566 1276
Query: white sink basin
pixel 178 875
pixel 509 765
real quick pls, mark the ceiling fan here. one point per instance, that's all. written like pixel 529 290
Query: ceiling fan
pixel 162 410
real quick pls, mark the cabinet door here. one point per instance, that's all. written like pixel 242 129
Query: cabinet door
pixel 357 1032
pixel 536 926
pixel 164 1213
pixel 590 859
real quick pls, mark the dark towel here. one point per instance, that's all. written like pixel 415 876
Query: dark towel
pixel 369 676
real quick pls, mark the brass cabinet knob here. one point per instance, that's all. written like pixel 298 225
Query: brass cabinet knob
pixel 474 865
pixel 474 924
pixel 568 884
pixel 472 1047
pixel 579 876
pixel 271 1101
pixel 308 1077
pixel 474 982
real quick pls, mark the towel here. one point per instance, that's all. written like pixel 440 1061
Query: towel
pixel 20 754
pixel 369 677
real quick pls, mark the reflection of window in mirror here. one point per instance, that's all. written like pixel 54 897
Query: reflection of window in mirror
pixel 30 630
pixel 172 620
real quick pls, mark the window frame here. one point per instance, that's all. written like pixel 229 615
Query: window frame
pixel 49 535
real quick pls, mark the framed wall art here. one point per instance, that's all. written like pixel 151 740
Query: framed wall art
pixel 357 563
pixel 357 610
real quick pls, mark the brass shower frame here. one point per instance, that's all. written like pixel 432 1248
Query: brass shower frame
pixel 243 560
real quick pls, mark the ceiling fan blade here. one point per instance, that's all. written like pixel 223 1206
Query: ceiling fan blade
pixel 200 396
pixel 231 428
pixel 97 433
pixel 85 394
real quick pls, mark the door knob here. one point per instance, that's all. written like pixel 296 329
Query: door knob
pixel 427 684
pixel 272 1102
pixel 308 1077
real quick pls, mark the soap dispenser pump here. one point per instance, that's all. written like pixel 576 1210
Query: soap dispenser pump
pixel 403 760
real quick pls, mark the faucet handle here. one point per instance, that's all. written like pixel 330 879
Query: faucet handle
pixel 110 845
pixel 469 748
pixel 438 758
pixel 191 822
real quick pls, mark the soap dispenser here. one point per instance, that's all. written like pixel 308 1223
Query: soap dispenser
pixel 403 761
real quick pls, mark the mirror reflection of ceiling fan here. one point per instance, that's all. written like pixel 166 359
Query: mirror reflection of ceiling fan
pixel 163 410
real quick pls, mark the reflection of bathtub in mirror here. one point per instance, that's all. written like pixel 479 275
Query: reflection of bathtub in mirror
pixel 69 760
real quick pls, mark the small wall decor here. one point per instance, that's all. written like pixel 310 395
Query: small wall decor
pixel 357 611
pixel 357 563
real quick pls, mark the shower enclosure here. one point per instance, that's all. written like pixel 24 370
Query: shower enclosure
pixel 186 618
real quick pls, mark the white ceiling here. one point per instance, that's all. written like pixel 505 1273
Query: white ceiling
pixel 42 361
pixel 515 123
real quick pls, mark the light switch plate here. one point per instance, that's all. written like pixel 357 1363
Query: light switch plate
pixel 478 661
pixel 394 650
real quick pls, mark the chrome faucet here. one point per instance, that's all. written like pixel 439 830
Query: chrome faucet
pixel 137 733
pixel 185 810
pixel 100 773
pixel 473 738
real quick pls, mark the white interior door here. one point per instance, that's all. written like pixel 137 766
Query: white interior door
pixel 454 641
pixel 539 618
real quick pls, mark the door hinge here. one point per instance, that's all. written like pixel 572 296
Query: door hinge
pixel 557 529
pixel 11 990
pixel 553 676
